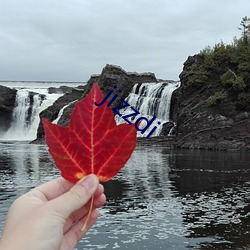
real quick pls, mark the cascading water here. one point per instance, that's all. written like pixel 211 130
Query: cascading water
pixel 20 112
pixel 25 117
pixel 151 100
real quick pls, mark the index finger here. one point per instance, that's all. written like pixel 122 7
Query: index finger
pixel 54 188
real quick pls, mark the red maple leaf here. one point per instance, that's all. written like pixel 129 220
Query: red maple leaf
pixel 92 142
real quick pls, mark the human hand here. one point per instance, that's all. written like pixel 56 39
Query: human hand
pixel 50 216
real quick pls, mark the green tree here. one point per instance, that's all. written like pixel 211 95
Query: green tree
pixel 216 98
pixel 245 28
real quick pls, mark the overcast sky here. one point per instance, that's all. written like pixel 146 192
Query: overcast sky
pixel 68 40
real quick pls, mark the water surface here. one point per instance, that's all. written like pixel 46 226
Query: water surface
pixel 161 200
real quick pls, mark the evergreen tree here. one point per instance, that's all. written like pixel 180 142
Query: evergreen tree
pixel 245 28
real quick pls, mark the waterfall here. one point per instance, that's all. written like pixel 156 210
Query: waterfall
pixel 25 117
pixel 151 100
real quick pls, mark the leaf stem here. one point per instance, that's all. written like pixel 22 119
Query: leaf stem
pixel 84 228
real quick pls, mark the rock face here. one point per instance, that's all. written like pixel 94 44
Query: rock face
pixel 52 112
pixel 113 75
pixel 7 104
pixel 224 125
pixel 167 128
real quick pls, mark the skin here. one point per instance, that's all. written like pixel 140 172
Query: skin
pixel 50 216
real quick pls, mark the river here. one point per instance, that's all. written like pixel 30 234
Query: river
pixel 162 199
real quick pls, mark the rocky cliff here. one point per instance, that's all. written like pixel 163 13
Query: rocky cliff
pixel 7 104
pixel 209 114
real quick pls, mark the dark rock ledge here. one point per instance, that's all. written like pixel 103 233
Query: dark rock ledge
pixel 7 104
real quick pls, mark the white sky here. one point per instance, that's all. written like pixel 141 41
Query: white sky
pixel 68 40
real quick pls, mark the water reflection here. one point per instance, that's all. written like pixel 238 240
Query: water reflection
pixel 214 187
pixel 142 210
pixel 22 167
pixel 160 200
pixel 26 164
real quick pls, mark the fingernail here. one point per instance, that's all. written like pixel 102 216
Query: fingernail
pixel 89 182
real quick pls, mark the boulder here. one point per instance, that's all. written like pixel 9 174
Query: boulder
pixel 166 128
pixel 113 75
pixel 52 112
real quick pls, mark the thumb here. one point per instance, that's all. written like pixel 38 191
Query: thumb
pixel 76 197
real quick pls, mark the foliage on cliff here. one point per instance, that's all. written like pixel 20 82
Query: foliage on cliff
pixel 228 67
pixel 214 98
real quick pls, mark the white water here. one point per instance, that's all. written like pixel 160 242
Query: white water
pixel 25 118
pixel 151 99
